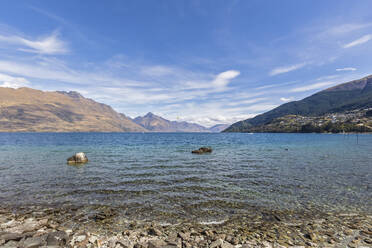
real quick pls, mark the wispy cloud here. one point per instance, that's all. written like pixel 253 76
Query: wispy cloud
pixel 259 108
pixel 284 99
pixel 12 82
pixel 158 70
pixel 347 28
pixel 75 29
pixel 346 69
pixel 56 71
pixel 50 44
pixel 246 102
pixel 285 69
pixel 312 87
pixel 224 78
pixel 359 41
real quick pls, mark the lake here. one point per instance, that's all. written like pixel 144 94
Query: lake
pixel 153 175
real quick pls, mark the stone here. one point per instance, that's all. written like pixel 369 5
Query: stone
pixel 112 241
pixel 125 243
pixel 58 238
pixel 156 243
pixel 8 224
pixel 80 238
pixel 267 244
pixel 43 222
pixel 10 244
pixel 226 245
pixel 11 237
pixel 368 241
pixel 202 150
pixel 29 225
pixel 155 232
pixel 92 239
pixel 140 245
pixel 184 235
pixel 33 242
pixel 216 243
pixel 78 158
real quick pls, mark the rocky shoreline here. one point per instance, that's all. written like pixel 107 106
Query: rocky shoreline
pixel 31 227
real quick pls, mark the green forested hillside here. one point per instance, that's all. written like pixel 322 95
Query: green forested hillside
pixel 356 94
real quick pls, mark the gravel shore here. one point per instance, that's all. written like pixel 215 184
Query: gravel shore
pixel 31 227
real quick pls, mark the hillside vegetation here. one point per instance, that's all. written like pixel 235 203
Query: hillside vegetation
pixel 345 97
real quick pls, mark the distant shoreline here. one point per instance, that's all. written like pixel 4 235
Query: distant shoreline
pixel 103 132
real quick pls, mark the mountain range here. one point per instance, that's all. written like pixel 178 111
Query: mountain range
pixel 342 98
pixel 30 110
pixel 155 123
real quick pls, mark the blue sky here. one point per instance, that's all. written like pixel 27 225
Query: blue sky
pixel 202 61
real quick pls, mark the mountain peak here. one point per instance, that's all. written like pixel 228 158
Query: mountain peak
pixel 358 84
pixel 155 123
pixel 72 94
pixel 149 114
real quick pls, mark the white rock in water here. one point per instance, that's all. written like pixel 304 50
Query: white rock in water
pixel 78 158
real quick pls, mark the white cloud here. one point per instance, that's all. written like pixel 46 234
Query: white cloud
pixel 312 87
pixel 328 77
pixel 346 69
pixel 12 82
pixel 48 45
pixel 286 69
pixel 261 107
pixel 209 121
pixel 284 99
pixel 158 70
pixel 347 28
pixel 224 78
pixel 218 84
pixel 359 41
pixel 246 102
pixel 53 70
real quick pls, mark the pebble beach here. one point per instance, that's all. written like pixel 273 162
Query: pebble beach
pixel 68 227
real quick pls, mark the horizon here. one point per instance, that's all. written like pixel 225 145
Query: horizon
pixel 207 62
pixel 190 122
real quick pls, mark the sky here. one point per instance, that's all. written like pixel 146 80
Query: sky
pixel 208 62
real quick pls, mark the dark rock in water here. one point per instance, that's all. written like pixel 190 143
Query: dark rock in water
pixel 78 158
pixel 202 150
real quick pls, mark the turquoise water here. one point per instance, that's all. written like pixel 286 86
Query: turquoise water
pixel 155 174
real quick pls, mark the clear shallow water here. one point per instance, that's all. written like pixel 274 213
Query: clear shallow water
pixel 155 174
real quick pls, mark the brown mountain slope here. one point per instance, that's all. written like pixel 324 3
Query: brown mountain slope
pixel 29 110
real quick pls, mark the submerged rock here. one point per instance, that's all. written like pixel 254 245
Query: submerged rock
pixel 202 150
pixel 78 158
pixel 58 238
